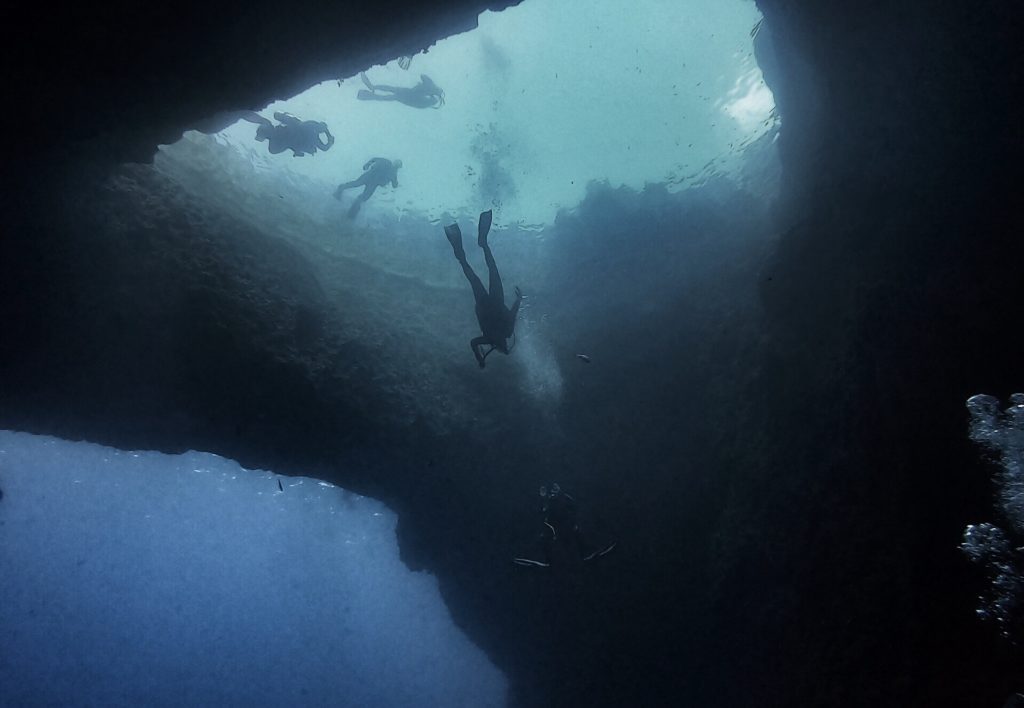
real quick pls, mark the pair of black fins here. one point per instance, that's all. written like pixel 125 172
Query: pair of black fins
pixel 454 234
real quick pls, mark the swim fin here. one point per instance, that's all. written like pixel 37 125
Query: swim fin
pixel 362 75
pixel 253 117
pixel 483 228
pixel 364 95
pixel 454 234
pixel 603 551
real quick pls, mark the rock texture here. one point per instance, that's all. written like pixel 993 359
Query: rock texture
pixel 795 545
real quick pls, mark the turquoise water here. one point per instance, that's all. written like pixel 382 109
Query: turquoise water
pixel 541 99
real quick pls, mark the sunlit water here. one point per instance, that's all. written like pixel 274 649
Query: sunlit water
pixel 541 99
pixel 138 579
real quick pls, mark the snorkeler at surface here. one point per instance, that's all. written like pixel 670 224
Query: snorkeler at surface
pixel 377 172
pixel 425 94
pixel 302 137
pixel 561 526
pixel 497 322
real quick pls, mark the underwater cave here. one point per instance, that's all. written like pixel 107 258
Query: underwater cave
pixel 767 250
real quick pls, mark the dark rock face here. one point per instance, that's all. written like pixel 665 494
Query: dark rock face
pixel 119 78
pixel 891 298
pixel 786 466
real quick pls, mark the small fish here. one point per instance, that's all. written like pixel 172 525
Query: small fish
pixel 279 487
pixel 584 358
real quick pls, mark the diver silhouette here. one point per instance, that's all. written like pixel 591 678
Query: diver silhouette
pixel 425 94
pixel 377 172
pixel 561 528
pixel 302 137
pixel 497 322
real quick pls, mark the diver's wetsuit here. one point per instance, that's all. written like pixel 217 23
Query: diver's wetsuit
pixel 302 137
pixel 377 173
pixel 561 526
pixel 425 94
pixel 497 323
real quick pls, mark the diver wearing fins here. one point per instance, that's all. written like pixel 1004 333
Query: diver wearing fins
pixel 497 322
pixel 561 526
pixel 377 172
pixel 302 137
pixel 425 94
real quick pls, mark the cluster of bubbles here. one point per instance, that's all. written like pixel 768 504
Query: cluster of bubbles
pixel 494 183
pixel 998 550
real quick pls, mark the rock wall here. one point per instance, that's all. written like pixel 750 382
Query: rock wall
pixel 799 548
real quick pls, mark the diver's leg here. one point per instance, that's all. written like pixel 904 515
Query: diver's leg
pixel 364 95
pixel 342 187
pixel 254 117
pixel 494 284
pixel 454 234
pixel 479 294
pixel 368 191
pixel 547 539
pixel 416 101
pixel 286 118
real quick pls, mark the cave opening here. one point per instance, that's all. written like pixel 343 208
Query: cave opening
pixel 681 334
pixel 286 319
pixel 759 398
pixel 534 104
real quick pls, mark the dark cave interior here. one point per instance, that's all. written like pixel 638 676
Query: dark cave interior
pixel 806 469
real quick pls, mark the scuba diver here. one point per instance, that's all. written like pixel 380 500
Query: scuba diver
pixel 561 527
pixel 425 94
pixel 497 322
pixel 377 172
pixel 302 137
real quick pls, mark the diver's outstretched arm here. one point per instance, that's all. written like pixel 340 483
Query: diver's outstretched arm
pixel 476 344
